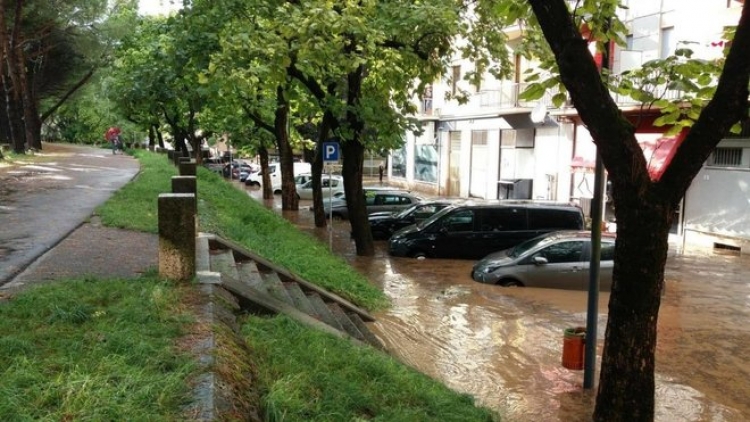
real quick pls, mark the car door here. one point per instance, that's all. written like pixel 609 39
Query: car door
pixel 454 235
pixel 564 268
pixel 606 264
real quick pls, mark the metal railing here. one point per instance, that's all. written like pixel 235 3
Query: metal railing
pixel 508 96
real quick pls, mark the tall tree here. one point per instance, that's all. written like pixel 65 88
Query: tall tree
pixel 645 207
pixel 48 53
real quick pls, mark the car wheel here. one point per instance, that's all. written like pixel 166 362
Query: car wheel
pixel 419 255
pixel 337 217
pixel 254 185
pixel 510 283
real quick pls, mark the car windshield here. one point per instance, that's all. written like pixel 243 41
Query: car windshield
pixel 434 217
pixel 405 212
pixel 530 244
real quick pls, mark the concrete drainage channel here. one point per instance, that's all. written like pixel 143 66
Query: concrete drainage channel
pixel 234 280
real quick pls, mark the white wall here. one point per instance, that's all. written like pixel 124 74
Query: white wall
pixel 718 200
pixel 553 148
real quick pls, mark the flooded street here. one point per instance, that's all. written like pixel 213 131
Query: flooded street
pixel 504 346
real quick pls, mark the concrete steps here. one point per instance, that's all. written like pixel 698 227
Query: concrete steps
pixel 265 288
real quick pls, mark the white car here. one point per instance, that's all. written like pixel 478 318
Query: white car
pixel 255 180
pixel 330 185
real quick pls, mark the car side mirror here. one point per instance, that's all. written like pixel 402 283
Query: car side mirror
pixel 540 260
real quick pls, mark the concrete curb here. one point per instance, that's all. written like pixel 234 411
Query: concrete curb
pixel 226 388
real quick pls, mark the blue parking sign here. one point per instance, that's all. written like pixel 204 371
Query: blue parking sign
pixel 330 152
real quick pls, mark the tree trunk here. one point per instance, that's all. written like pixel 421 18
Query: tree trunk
pixel 289 199
pixel 644 208
pixel 263 155
pixel 354 158
pixel 628 359
pixel 354 155
pixel 151 136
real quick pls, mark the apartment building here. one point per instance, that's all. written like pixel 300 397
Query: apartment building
pixel 496 146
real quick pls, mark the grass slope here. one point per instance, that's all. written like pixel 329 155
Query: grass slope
pixel 94 350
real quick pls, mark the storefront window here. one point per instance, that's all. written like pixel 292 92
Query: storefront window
pixel 426 163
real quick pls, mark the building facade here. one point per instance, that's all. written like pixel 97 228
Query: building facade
pixel 496 146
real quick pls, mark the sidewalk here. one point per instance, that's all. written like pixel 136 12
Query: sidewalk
pixel 45 210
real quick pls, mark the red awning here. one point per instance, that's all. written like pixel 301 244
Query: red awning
pixel 657 149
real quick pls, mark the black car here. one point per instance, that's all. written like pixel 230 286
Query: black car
pixel 475 229
pixel 383 224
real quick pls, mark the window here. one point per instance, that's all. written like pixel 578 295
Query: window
pixel 507 138
pixel 726 157
pixel 629 42
pixel 563 252
pixel 478 137
pixel 459 221
pixel 391 200
pixel 456 76
pixel 524 138
pixel 503 219
pixel 545 218
pixel 607 251
pixel 425 211
pixel 667 45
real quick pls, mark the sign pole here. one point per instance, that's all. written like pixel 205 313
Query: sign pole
pixel 330 155
pixel 330 211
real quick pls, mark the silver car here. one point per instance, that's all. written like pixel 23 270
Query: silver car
pixel 330 185
pixel 376 200
pixel 558 260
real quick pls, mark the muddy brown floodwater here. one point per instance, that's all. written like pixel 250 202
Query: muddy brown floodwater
pixel 503 346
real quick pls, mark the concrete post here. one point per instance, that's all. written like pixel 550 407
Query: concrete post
pixel 187 167
pixel 177 236
pixel 186 184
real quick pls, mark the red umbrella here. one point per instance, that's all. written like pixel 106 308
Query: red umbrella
pixel 112 132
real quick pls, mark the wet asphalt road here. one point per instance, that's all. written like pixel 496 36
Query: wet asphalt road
pixel 504 346
pixel 42 203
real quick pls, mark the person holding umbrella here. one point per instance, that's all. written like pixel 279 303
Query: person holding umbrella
pixel 113 136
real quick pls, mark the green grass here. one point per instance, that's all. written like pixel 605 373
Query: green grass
pixel 94 350
pixel 134 206
pixel 231 213
pixel 309 376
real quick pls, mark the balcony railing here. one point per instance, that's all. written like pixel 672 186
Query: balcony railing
pixel 508 96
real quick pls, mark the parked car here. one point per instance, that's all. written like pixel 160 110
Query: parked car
pixel 214 164
pixel 255 180
pixel 235 168
pixel 384 224
pixel 330 185
pixel 558 260
pixel 474 229
pixel 375 200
